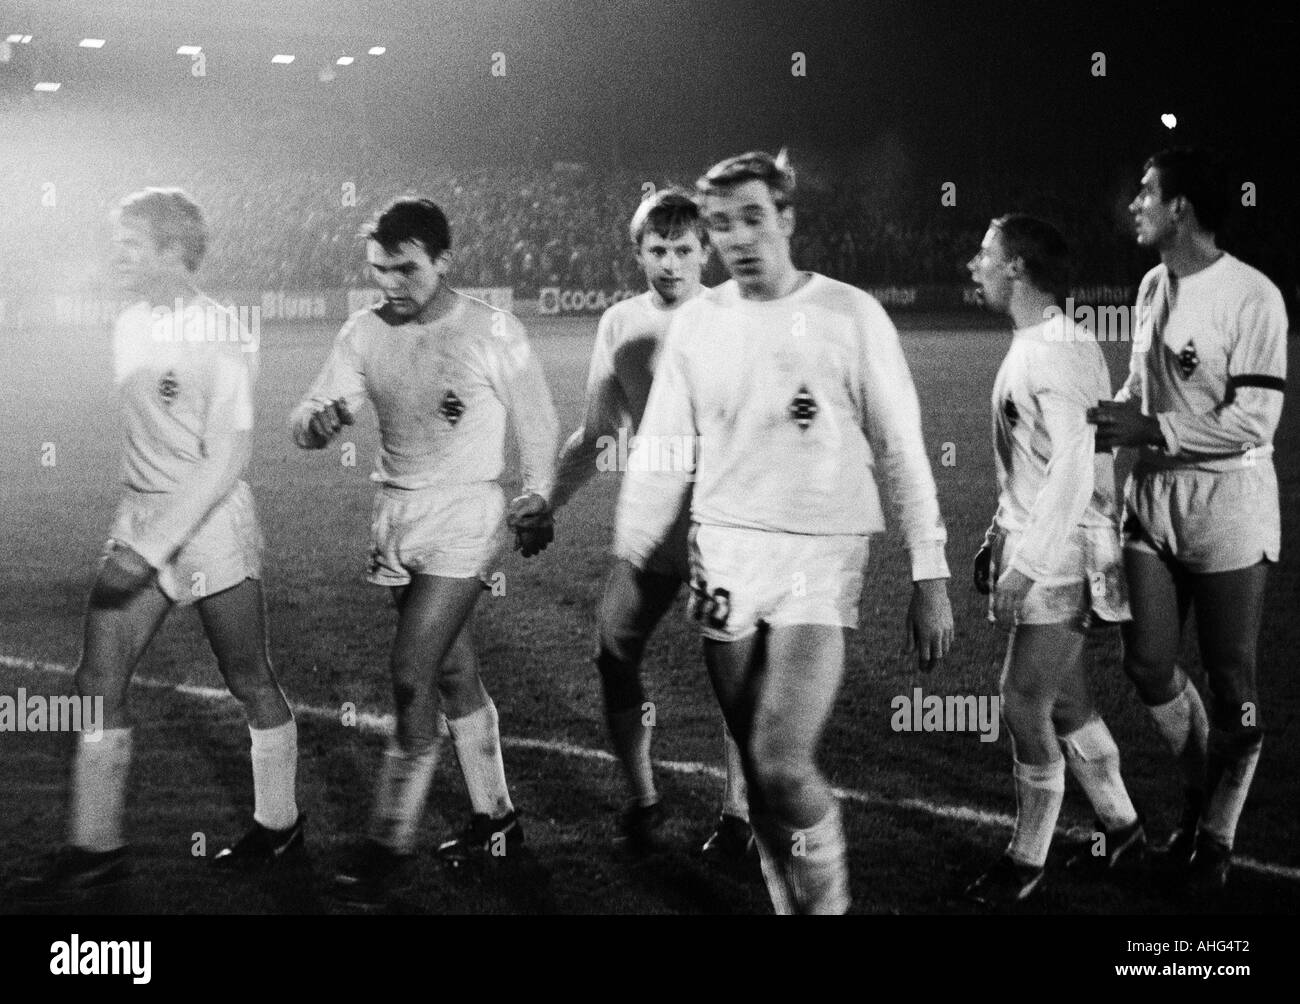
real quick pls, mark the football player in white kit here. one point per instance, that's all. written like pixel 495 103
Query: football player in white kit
pixel 186 534
pixel 444 371
pixel 1202 518
pixel 671 247
pixel 789 388
pixel 1051 559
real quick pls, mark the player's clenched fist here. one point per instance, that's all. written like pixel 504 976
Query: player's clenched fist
pixel 123 574
pixel 326 423
pixel 531 519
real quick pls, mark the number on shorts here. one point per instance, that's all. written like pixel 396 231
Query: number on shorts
pixel 713 607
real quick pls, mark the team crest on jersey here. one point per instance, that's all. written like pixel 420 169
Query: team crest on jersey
pixel 168 387
pixel 452 408
pixel 1187 360
pixel 1010 410
pixel 803 409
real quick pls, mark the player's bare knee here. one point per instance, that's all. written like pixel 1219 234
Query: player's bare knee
pixel 780 772
pixel 1024 708
pixel 461 690
pixel 1070 715
pixel 621 681
pixel 784 781
pixel 249 679
pixel 1154 678
pixel 621 642
pixel 407 695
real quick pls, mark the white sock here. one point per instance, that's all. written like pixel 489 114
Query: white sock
pixel 275 769
pixel 1093 759
pixel 1040 789
pixel 631 739
pixel 99 772
pixel 1185 728
pixel 403 786
pixel 806 870
pixel 774 848
pixel 477 738
pixel 819 868
pixel 1234 764
pixel 735 797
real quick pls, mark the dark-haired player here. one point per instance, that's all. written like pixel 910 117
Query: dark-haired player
pixel 671 248
pixel 794 389
pixel 1051 559
pixel 1202 519
pixel 186 533
pixel 444 371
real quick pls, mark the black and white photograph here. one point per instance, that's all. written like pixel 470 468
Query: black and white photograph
pixel 647 458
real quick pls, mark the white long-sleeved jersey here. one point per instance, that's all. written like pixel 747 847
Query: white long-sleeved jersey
pixel 442 391
pixel 628 343
pixel 1052 483
pixel 185 382
pixel 781 411
pixel 1214 372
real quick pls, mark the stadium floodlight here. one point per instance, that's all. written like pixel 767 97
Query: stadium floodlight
pixel 282 58
pixel 27 40
pixel 377 50
pixel 189 50
pixel 1170 120
pixel 47 86
pixel 14 39
pixel 91 43
pixel 345 61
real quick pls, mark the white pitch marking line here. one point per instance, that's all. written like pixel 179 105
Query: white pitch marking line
pixel 383 725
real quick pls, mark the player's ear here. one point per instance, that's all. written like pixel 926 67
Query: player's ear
pixel 785 220
pixel 174 255
pixel 442 263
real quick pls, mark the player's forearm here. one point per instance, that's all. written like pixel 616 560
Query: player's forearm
pixel 648 506
pixel 913 497
pixel 212 479
pixel 1061 503
pixel 576 466
pixel 538 432
pixel 1249 421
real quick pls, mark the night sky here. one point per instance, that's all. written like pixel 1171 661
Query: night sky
pixel 957 86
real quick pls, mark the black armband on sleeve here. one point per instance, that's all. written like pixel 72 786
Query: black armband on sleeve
pixel 1256 380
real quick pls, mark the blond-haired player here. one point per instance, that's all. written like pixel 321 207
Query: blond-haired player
pixel 1051 558
pixel 671 248
pixel 444 372
pixel 791 388
pixel 186 533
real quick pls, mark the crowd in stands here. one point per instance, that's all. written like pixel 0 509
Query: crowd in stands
pixel 290 220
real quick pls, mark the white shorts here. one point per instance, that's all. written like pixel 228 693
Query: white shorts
pixel 1205 521
pixel 741 578
pixel 1088 588
pixel 455 532
pixel 225 550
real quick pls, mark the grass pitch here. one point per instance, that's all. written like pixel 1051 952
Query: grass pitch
pixel 928 809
